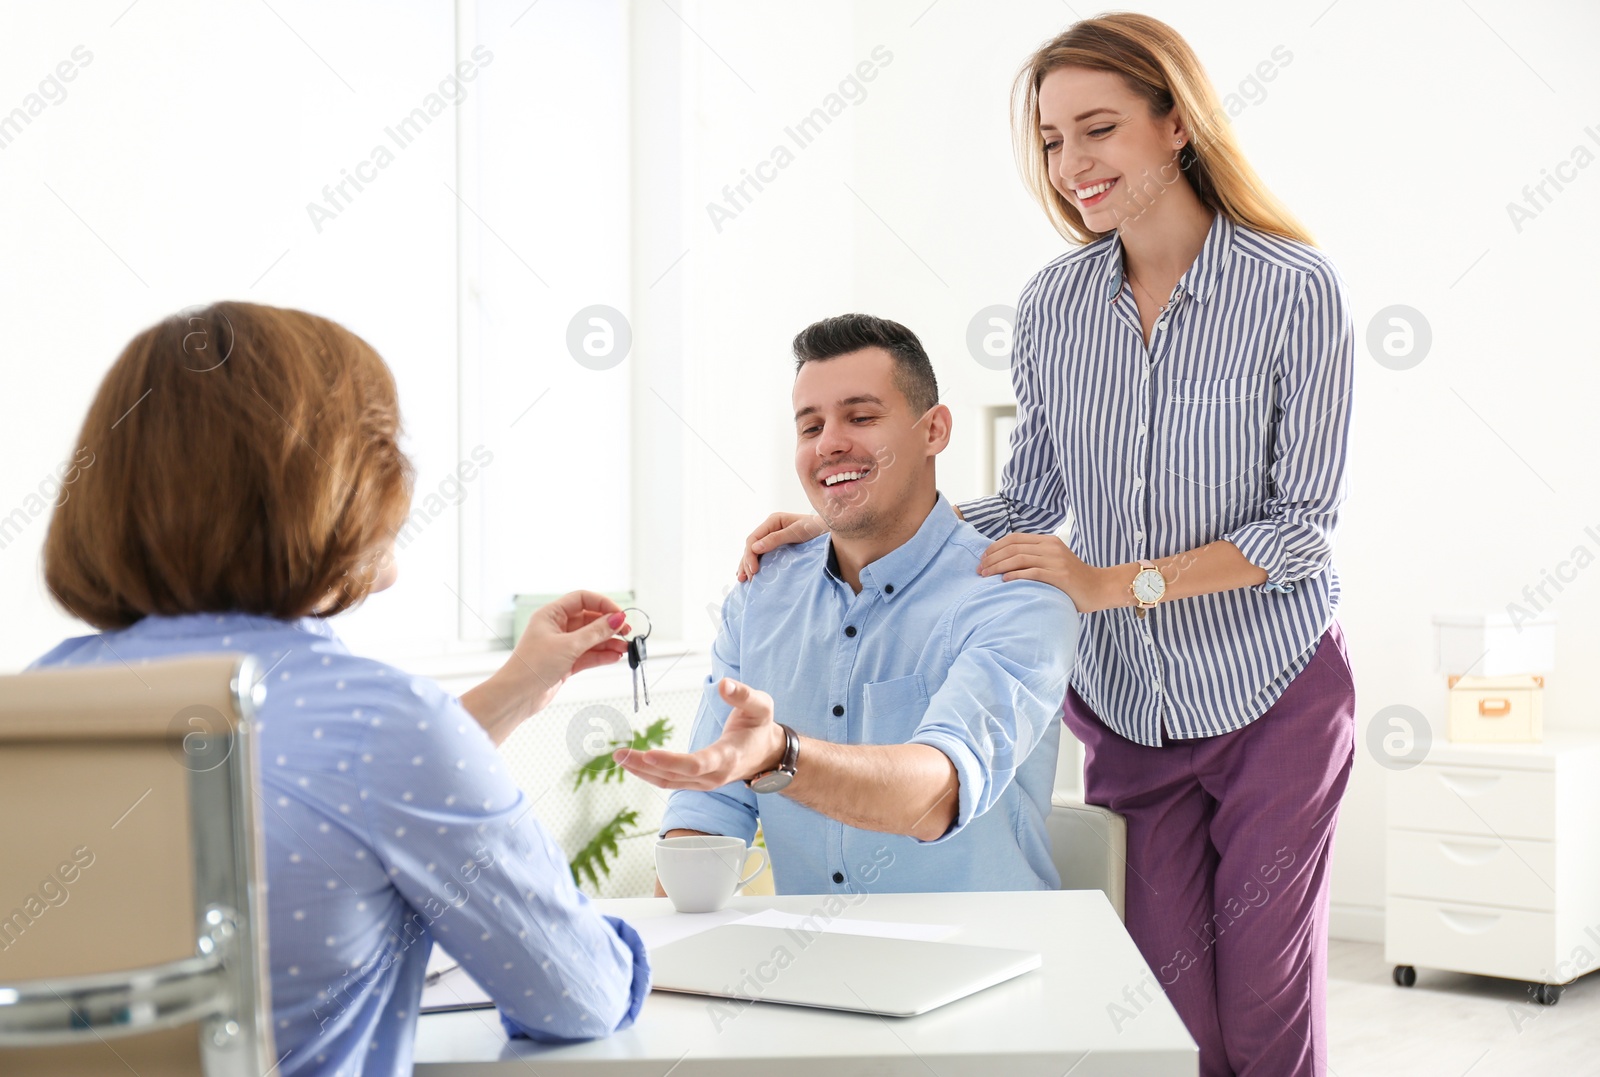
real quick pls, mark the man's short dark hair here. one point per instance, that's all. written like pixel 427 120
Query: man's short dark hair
pixel 846 333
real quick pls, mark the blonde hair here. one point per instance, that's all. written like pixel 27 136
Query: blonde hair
pixel 1159 66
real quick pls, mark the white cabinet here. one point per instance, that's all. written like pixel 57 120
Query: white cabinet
pixel 1494 861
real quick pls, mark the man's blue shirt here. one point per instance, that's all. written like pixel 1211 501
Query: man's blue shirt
pixel 929 653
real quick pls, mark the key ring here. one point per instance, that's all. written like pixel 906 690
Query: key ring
pixel 648 626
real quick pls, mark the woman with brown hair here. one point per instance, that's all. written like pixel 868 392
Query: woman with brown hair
pixel 248 485
pixel 1199 443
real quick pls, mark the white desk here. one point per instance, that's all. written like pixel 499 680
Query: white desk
pixel 1094 1010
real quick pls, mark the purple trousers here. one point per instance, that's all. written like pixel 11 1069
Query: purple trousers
pixel 1228 846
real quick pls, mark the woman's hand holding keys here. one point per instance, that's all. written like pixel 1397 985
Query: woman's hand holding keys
pixel 577 631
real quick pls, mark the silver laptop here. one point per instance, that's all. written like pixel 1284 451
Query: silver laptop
pixel 894 977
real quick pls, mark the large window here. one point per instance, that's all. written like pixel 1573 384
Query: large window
pixel 547 348
pixel 448 180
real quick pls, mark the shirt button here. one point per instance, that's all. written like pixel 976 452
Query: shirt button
pixel 838 876
pixel 838 710
pixel 1138 536
pixel 888 588
pixel 850 630
pixel 1141 429
pixel 1137 482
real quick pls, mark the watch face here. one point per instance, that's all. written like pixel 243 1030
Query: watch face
pixel 772 781
pixel 1149 586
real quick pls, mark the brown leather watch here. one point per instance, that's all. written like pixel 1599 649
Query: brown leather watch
pixel 773 781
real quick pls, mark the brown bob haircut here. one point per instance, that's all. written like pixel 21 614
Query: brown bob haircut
pixel 246 459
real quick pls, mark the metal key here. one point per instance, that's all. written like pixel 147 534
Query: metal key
pixel 636 656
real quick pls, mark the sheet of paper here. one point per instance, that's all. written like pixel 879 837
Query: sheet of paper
pixel 882 929
pixel 439 959
pixel 657 931
pixel 454 989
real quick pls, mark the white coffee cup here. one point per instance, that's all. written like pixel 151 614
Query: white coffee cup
pixel 700 872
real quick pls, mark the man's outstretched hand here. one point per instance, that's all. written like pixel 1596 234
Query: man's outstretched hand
pixel 751 743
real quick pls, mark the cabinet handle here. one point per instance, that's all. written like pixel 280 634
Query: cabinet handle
pixel 1470 855
pixel 1469 784
pixel 1469 923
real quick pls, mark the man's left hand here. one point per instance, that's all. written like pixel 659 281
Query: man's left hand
pixel 751 743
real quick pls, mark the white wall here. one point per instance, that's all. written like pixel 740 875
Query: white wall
pixel 180 168
pixel 176 172
pixel 713 408
pixel 1398 132
pixel 548 238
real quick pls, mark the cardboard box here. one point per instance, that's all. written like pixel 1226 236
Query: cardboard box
pixel 1497 710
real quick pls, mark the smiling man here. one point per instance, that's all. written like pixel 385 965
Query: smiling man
pixel 888 715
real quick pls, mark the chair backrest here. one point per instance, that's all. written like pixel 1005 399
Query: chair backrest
pixel 132 923
pixel 1089 845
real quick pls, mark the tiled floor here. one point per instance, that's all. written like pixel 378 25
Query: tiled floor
pixel 1452 1025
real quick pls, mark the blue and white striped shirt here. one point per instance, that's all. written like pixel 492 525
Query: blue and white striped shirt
pixel 1232 424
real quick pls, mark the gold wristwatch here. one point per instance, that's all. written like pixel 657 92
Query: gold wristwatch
pixel 1148 587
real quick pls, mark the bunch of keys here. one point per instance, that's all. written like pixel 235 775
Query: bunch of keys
pixel 636 656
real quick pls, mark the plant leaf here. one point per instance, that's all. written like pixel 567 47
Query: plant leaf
pixel 602 768
pixel 594 859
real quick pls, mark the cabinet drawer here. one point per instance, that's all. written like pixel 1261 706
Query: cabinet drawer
pixel 1481 939
pixel 1474 800
pixel 1482 870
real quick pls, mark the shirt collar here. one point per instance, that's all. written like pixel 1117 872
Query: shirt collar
pixel 891 573
pixel 1201 278
pixel 163 626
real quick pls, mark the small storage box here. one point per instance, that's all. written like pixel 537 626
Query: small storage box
pixel 1497 710
pixel 1494 644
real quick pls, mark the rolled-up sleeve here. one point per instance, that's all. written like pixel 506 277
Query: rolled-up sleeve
pixel 1011 650
pixel 1293 540
pixel 1032 495
pixel 730 810
pixel 460 843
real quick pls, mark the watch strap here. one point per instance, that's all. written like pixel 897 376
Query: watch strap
pixel 789 761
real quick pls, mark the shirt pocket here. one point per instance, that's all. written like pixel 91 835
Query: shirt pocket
pixel 893 708
pixel 1216 439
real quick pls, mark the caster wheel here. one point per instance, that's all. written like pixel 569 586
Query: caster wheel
pixel 1547 994
pixel 1405 975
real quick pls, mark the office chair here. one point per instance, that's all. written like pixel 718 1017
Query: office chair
pixel 132 920
pixel 1089 845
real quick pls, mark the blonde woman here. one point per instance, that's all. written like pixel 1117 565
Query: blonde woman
pixel 1183 386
